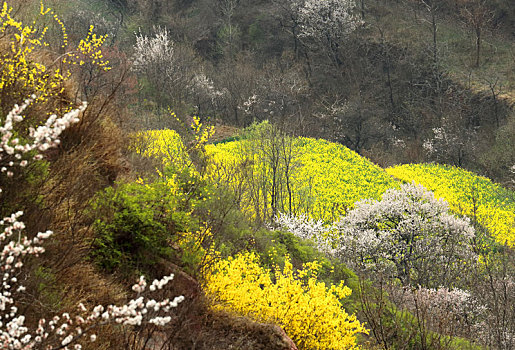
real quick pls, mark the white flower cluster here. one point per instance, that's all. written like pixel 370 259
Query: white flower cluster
pixel 249 104
pixel 153 50
pixel 43 137
pixel 168 66
pixel 202 85
pixel 451 311
pixel 64 330
pixel 265 106
pixel 306 228
pixel 327 20
pixel 440 136
pixel 69 329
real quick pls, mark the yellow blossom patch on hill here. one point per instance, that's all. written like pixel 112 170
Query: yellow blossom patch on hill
pixel 326 178
pixel 165 145
pixel 492 205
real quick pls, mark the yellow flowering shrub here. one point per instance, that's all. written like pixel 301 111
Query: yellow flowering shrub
pixel 468 194
pixel 309 311
pixel 202 133
pixel 21 75
pixel 167 146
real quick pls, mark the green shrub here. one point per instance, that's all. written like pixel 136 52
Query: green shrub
pixel 131 230
pixel 137 224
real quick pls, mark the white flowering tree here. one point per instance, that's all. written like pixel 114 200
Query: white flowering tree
pixel 204 94
pixel 167 66
pixel 63 331
pixel 326 23
pixel 409 235
pixel 449 311
pixel 304 227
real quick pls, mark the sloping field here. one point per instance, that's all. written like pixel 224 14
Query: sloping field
pixel 468 194
pixel 164 145
pixel 325 178
pixel 339 177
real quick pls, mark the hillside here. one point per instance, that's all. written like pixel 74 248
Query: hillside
pixel 336 174
pixel 325 179
pixel 272 174
pixel 411 83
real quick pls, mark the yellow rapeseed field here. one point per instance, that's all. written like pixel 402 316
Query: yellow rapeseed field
pixel 492 205
pixel 326 178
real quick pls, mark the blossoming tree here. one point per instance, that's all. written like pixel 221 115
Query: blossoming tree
pixel 409 235
pixel 326 23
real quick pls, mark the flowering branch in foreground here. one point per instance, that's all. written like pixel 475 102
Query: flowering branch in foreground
pixel 64 331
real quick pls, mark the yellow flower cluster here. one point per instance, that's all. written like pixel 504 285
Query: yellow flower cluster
pixel 468 194
pixel 310 313
pixel 21 75
pixel 89 48
pixel 326 178
pixel 165 145
pixel 15 67
pixel 202 135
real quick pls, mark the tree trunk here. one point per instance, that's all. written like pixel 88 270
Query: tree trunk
pixel 478 45
pixel 435 30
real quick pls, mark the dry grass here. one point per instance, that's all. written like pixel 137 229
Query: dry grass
pixel 223 132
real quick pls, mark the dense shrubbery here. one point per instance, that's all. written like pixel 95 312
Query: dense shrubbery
pixel 138 223
pixel 411 255
pixel 133 229
pixel 309 311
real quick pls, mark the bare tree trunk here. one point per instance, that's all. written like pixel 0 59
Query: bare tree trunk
pixel 435 30
pixel 478 44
